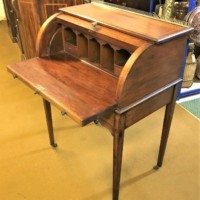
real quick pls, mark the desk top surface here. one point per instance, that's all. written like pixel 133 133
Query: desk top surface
pixel 83 92
pixel 145 27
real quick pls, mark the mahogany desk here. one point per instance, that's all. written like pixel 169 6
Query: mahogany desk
pixel 111 66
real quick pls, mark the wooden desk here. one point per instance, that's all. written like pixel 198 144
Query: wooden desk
pixel 112 66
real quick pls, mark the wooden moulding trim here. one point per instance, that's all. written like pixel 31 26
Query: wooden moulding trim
pixel 45 34
pixel 179 34
pixel 128 68
pixel 127 108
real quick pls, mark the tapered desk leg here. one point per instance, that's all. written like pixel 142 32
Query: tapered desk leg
pixel 47 108
pixel 117 162
pixel 166 128
pixel 118 141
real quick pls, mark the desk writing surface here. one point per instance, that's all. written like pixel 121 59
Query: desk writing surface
pixel 83 92
pixel 136 24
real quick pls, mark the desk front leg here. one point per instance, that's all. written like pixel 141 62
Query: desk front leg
pixel 47 109
pixel 118 141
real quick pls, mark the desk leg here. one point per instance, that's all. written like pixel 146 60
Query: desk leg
pixel 166 127
pixel 118 140
pixel 47 108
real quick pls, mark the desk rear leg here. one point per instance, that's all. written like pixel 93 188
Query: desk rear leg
pixel 47 108
pixel 166 128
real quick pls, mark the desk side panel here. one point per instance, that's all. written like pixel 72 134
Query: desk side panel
pixel 154 68
pixel 46 41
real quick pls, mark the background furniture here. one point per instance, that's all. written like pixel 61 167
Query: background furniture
pixel 11 19
pixel 25 17
pixel 195 89
pixel 144 5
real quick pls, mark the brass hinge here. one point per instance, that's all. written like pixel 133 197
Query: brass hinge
pixel 39 89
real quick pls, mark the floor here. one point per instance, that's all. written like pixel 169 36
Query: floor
pixel 80 168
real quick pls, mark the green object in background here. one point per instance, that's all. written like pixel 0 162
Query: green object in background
pixel 192 106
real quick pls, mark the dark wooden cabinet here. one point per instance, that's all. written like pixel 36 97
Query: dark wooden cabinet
pixel 143 5
pixel 30 15
pixel 11 19
pixel 49 7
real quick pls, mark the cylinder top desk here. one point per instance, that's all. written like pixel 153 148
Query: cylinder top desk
pixel 106 65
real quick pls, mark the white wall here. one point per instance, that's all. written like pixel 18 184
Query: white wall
pixel 2 13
